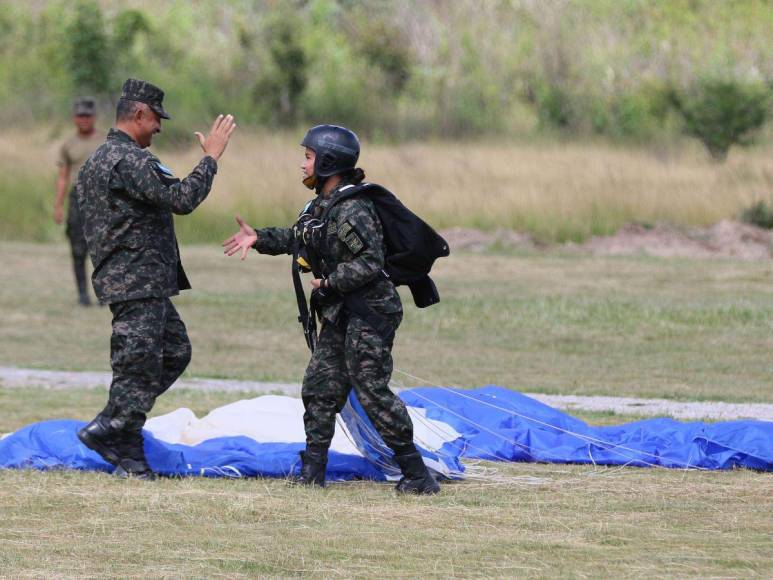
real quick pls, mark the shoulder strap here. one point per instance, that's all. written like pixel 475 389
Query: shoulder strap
pixel 349 191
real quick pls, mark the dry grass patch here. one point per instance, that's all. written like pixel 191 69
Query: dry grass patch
pixel 555 191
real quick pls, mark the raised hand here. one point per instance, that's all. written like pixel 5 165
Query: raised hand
pixel 215 143
pixel 241 240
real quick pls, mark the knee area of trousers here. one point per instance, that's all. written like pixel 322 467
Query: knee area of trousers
pixel 178 359
pixel 188 352
pixel 184 356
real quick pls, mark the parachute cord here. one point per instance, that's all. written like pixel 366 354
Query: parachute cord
pixel 525 448
pixel 485 473
pixel 612 447
pixel 585 438
pixel 375 461
pixel 474 471
pixel 382 464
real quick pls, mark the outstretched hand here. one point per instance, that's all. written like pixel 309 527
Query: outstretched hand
pixel 241 240
pixel 215 143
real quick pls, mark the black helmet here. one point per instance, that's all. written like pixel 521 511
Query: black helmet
pixel 337 149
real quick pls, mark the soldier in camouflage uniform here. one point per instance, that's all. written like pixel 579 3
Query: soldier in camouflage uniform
pixel 348 254
pixel 127 199
pixel 72 154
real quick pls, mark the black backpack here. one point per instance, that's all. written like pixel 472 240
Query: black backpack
pixel 412 246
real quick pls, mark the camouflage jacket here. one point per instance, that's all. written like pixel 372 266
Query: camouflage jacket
pixel 127 198
pixel 350 252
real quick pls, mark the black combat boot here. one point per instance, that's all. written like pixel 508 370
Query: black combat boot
pixel 133 462
pixel 99 436
pixel 313 466
pixel 416 477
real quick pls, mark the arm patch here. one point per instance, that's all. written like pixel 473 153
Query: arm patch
pixel 349 236
pixel 164 173
pixel 164 169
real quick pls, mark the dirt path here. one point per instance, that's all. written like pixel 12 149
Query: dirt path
pixel 11 377
pixel 726 239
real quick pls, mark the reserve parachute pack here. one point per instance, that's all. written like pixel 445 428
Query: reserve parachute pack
pixel 412 247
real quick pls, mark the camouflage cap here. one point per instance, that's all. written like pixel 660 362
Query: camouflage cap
pixel 84 106
pixel 144 92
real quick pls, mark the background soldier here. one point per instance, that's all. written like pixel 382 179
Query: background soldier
pixel 128 198
pixel 72 154
pixel 347 252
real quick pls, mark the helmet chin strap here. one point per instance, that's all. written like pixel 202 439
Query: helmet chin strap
pixel 310 182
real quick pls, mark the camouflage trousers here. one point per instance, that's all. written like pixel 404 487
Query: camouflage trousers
pixel 353 356
pixel 78 247
pixel 74 230
pixel 149 349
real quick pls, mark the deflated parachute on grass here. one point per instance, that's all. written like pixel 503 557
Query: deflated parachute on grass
pixel 262 437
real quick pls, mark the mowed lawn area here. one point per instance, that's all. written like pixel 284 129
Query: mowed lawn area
pixel 544 322
pixel 673 328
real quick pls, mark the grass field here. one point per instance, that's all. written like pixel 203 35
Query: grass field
pixel 676 329
pixel 541 322
pixel 576 523
pixel 555 191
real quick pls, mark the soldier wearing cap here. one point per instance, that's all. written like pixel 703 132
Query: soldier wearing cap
pixel 128 197
pixel 72 154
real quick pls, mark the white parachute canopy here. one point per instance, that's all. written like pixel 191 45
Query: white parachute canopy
pixel 279 419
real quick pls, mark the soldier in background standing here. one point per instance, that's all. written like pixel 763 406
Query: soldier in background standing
pixel 72 155
pixel 128 198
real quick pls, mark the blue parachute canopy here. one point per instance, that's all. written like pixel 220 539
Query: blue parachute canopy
pixel 502 425
pixel 492 423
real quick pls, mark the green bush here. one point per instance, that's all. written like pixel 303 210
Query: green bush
pixel 722 113
pixel 635 115
pixel 90 51
pixel 554 107
pixel 384 48
pixel 281 85
pixel 759 214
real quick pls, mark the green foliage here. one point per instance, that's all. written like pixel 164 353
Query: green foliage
pixel 281 85
pixel 554 106
pixel 127 26
pixel 722 113
pixel 393 69
pixel 341 89
pixel 759 214
pixel 385 48
pixel 632 115
pixel 474 104
pixel 89 50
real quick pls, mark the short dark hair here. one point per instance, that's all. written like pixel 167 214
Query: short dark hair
pixel 125 109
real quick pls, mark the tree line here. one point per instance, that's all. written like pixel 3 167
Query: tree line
pixel 623 69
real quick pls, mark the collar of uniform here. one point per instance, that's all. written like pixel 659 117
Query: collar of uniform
pixel 337 189
pixel 119 135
